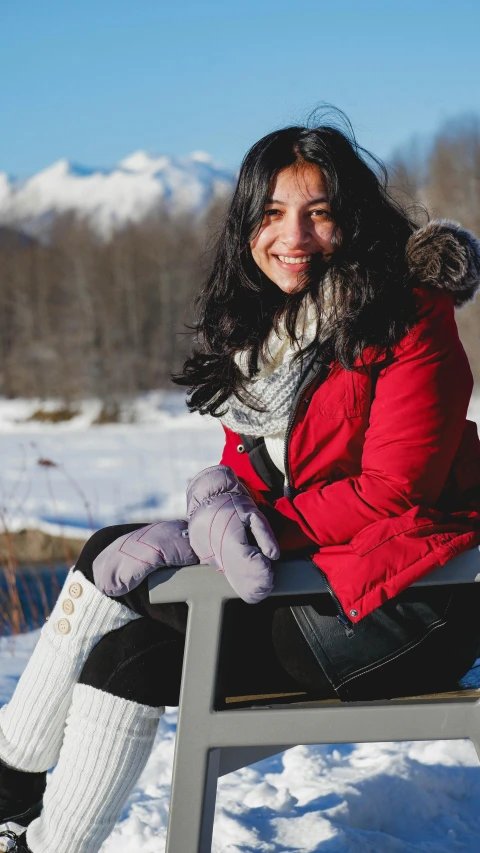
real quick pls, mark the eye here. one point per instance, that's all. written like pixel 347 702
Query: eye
pixel 321 212
pixel 272 212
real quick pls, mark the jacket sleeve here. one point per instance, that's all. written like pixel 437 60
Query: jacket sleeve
pixel 288 532
pixel 416 423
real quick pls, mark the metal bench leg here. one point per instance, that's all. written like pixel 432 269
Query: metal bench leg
pixel 196 763
pixel 192 802
pixel 234 757
pixel 474 727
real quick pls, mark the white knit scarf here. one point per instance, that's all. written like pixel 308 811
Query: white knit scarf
pixel 278 378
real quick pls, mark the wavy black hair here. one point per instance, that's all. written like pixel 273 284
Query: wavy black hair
pixel 372 291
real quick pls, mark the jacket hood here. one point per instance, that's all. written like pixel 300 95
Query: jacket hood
pixel 443 254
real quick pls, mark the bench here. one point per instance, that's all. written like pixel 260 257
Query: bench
pixel 211 743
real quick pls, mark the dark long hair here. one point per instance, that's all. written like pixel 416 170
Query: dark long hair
pixel 372 291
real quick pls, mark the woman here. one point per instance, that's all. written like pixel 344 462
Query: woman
pixel 328 349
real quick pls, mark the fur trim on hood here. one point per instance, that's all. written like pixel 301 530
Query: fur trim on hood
pixel 444 255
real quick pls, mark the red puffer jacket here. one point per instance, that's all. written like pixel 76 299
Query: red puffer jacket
pixel 385 479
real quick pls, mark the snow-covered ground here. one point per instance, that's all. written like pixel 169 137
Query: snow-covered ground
pixel 371 798
pixel 101 474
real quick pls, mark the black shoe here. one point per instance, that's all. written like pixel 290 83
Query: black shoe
pixel 23 818
pixel 15 843
pixel 21 795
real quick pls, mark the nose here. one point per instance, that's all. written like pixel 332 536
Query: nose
pixel 295 231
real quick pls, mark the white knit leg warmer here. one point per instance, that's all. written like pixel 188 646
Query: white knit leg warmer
pixel 32 723
pixel 106 746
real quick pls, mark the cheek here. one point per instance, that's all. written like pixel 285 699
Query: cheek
pixel 258 248
pixel 325 233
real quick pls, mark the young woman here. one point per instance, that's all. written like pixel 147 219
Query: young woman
pixel 329 351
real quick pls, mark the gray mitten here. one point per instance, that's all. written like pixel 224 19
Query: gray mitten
pixel 124 563
pixel 229 532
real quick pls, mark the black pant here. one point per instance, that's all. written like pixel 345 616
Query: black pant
pixel 263 650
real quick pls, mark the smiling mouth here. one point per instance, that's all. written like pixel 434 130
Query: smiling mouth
pixel 286 259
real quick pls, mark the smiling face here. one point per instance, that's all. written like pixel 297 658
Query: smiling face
pixel 296 225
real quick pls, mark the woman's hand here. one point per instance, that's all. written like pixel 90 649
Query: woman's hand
pixel 229 532
pixel 124 564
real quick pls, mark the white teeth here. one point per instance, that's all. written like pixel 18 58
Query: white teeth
pixel 286 260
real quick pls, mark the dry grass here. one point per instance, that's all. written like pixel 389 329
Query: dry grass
pixel 53 416
pixel 31 547
pixel 24 600
pixel 108 414
pixel 20 608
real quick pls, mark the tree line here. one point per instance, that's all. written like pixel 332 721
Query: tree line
pixel 81 316
pixel 443 178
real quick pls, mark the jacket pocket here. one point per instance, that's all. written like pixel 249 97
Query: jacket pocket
pixel 344 394
pixel 413 522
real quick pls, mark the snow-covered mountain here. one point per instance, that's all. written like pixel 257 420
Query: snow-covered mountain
pixel 109 198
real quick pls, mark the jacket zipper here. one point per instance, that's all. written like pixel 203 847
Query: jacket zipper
pixel 293 414
pixel 342 617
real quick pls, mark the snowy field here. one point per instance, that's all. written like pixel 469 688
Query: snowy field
pixel 374 798
pixel 101 474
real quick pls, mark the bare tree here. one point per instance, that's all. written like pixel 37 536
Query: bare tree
pixel 452 190
pixel 83 316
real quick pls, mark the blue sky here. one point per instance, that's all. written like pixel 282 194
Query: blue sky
pixel 96 80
